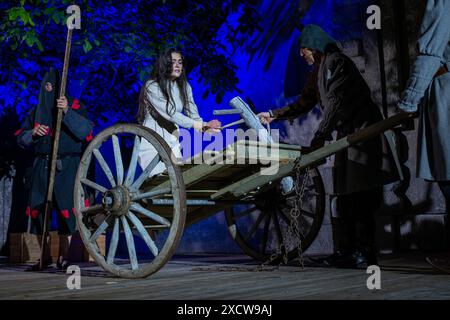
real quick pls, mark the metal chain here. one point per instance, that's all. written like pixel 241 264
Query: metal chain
pixel 294 227
pixel 295 211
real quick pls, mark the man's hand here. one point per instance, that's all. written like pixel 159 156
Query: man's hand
pixel 62 104
pixel 402 108
pixel 40 131
pixel 265 117
pixel 317 143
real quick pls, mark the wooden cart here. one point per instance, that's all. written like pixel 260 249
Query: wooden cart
pixel 154 211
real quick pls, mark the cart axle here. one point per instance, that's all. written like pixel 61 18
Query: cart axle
pixel 117 201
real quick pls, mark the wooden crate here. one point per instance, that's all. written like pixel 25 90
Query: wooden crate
pixel 24 248
pixel 101 242
pixel 78 252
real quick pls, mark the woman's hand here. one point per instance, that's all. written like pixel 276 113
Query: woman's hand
pixel 265 117
pixel 40 131
pixel 212 126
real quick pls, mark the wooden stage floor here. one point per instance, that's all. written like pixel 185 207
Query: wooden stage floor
pixel 235 277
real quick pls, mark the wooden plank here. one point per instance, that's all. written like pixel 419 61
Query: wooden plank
pixel 264 156
pixel 202 277
pixel 281 146
pixel 244 153
pixel 258 180
pixel 253 152
pixel 252 183
pixel 195 174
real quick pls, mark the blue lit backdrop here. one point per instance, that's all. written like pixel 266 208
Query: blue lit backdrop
pixel 250 49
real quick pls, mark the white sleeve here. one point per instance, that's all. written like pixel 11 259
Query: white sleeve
pixel 157 99
pixel 193 109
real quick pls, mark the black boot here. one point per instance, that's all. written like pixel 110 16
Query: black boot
pixel 354 260
pixel 371 256
pixel 328 261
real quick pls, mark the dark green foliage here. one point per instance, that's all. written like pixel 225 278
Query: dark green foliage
pixel 115 48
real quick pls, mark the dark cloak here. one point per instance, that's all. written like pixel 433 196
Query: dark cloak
pixel 76 130
pixel 345 99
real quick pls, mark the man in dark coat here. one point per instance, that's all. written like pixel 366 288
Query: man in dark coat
pixel 37 133
pixel 360 171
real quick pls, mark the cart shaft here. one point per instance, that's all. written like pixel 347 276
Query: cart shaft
pixel 257 180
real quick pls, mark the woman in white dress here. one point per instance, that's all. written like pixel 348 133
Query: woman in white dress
pixel 165 104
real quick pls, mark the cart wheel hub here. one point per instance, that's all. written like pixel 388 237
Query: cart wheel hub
pixel 117 201
pixel 269 201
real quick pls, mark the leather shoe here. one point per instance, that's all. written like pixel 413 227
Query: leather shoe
pixel 354 260
pixel 328 261
pixel 348 260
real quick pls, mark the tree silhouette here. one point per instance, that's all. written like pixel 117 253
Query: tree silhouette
pixel 113 52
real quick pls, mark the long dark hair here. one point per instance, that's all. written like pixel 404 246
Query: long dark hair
pixel 161 73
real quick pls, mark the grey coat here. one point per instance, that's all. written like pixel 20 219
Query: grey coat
pixel 430 95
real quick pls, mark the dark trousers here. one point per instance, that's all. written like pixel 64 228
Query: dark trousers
pixel 357 214
pixel 445 188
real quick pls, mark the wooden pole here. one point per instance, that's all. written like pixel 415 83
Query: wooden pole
pixel 232 124
pixel 311 159
pixel 51 182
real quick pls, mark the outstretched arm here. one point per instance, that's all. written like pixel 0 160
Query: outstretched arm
pixel 193 113
pixel 157 99
pixel 304 104
pixel 433 40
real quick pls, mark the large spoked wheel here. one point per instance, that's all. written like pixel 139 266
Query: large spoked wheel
pixel 119 206
pixel 265 229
